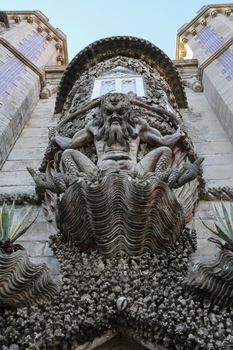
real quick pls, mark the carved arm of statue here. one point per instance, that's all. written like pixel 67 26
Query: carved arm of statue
pixel 81 138
pixel 153 137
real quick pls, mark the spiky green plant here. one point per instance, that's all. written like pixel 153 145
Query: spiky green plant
pixel 13 226
pixel 224 225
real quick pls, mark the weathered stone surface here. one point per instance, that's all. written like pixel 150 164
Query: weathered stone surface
pixel 20 165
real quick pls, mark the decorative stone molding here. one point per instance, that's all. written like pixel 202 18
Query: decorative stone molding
pixel 17 19
pixel 49 37
pixel 194 32
pixel 228 12
pixel 214 13
pixel 45 93
pixel 196 85
pixel 42 24
pixel 40 29
pixel 4 19
pixel 58 46
pixel 209 12
pixel 204 22
pixel 30 19
pixel 60 59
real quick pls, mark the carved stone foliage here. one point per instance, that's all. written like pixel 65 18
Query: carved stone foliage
pixel 213 280
pixel 22 283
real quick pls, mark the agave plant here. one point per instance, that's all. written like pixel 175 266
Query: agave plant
pixel 13 226
pixel 213 279
pixel 224 226
pixel 21 282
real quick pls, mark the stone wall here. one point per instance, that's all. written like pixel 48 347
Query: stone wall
pixel 25 48
pixel 209 38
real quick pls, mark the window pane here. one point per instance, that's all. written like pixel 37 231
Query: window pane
pixel 128 85
pixel 107 86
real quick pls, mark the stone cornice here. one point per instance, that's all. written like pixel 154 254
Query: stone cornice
pixel 24 60
pixel 215 56
pixel 126 46
pixel 208 11
pixel 41 19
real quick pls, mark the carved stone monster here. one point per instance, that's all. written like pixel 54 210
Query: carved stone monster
pixel 117 136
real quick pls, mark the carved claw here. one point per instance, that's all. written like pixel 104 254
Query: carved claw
pixel 189 173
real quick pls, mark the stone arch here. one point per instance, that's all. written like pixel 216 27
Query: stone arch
pixel 126 46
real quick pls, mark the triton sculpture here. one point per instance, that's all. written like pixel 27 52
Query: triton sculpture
pixel 122 200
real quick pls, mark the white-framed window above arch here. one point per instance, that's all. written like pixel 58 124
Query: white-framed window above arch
pixel 118 79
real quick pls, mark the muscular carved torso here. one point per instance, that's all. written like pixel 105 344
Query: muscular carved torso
pixel 116 155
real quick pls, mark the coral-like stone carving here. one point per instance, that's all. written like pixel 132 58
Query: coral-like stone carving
pixel 23 283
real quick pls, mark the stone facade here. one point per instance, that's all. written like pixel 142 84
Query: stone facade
pixel 27 45
pixel 31 79
pixel 208 37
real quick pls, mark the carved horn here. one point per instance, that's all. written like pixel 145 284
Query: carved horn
pixel 83 110
pixel 160 111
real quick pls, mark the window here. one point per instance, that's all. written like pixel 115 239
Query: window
pixel 119 79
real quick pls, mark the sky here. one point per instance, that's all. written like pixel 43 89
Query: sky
pixel 85 21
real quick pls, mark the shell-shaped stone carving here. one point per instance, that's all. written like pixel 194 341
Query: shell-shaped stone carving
pixel 213 281
pixel 121 303
pixel 23 283
pixel 121 213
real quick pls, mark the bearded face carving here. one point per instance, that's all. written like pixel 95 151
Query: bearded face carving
pixel 116 123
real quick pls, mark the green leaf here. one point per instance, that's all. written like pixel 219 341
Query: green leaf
pixel 18 229
pixel 231 210
pixel 227 220
pixel 209 228
pixel 222 234
pixel 1 228
pixel 5 222
pixel 220 220
pixel 18 223
pixel 11 216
